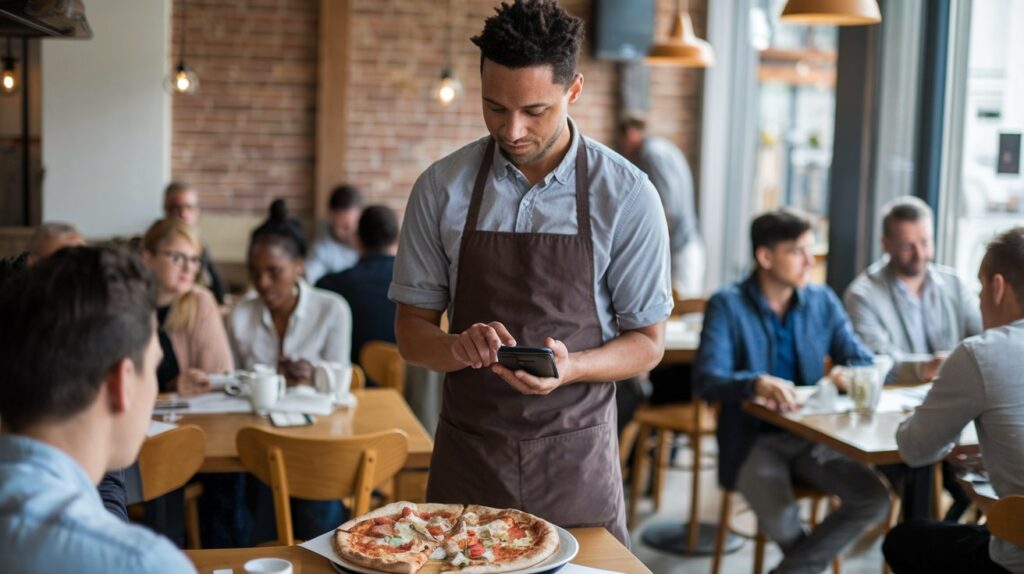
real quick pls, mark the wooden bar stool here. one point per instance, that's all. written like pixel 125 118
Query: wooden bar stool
pixel 725 526
pixel 696 420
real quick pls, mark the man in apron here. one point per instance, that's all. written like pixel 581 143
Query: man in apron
pixel 534 236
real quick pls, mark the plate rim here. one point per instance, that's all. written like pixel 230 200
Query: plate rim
pixel 563 534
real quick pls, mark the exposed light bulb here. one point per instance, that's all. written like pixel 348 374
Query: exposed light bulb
pixel 9 77
pixel 449 88
pixel 182 81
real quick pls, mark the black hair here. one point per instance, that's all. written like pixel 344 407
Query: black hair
pixel 530 33
pixel 907 208
pixel 282 231
pixel 378 228
pixel 345 197
pixel 66 322
pixel 1005 256
pixel 774 227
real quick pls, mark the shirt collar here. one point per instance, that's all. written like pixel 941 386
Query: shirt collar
pixel 300 308
pixel 753 291
pixel 501 167
pixel 49 459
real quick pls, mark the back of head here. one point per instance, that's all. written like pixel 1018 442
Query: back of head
pixel 280 230
pixel 49 237
pixel 66 322
pixel 905 208
pixel 378 228
pixel 345 197
pixel 773 227
pixel 1005 256
pixel 529 33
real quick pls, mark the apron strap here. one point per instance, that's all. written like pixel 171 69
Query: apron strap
pixel 582 190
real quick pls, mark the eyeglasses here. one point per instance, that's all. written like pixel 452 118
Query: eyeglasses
pixel 180 259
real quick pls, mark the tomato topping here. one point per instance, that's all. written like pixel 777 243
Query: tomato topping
pixel 406 512
pixel 476 550
pixel 515 533
pixel 508 520
pixel 384 520
pixel 434 529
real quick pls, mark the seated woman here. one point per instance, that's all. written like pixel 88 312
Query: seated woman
pixel 293 326
pixel 290 324
pixel 191 331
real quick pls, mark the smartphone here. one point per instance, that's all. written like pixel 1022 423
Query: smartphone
pixel 538 361
pixel 290 419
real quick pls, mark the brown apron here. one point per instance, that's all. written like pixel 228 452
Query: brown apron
pixel 555 456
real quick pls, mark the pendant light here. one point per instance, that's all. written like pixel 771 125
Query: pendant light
pixel 831 12
pixel 682 47
pixel 9 77
pixel 449 88
pixel 182 80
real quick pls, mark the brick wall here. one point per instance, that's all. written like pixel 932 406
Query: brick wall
pixel 248 136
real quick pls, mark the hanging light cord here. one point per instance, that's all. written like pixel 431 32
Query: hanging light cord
pixel 448 41
pixel 181 56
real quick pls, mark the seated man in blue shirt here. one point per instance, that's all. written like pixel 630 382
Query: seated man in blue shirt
pixel 761 337
pixel 79 351
pixel 365 286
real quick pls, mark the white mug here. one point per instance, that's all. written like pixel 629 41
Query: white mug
pixel 261 387
pixel 268 566
pixel 332 379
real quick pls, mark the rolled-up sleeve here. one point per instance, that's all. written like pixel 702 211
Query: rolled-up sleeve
pixel 421 266
pixel 639 275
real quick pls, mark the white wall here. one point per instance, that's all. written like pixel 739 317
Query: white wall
pixel 106 120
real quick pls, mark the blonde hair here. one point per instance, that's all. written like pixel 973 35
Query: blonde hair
pixel 182 315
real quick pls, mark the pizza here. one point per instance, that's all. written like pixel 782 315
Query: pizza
pixel 403 536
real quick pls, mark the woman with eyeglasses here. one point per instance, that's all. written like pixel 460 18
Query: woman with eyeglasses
pixel 191 331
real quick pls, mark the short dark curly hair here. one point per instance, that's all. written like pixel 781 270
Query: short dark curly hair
pixel 530 33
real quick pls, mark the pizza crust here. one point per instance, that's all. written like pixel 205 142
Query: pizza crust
pixel 408 562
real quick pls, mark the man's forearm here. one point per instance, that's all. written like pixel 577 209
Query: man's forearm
pixel 629 354
pixel 424 344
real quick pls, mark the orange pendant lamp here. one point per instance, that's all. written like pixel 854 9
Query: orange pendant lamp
pixel 831 12
pixel 682 47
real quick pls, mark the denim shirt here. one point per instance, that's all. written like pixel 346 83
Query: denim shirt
pixel 737 345
pixel 52 519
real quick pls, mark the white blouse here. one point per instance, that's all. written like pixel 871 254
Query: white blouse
pixel 320 329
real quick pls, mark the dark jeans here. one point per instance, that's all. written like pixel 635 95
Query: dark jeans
pixel 915 484
pixel 927 546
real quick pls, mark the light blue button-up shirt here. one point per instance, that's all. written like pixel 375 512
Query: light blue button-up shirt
pixel 52 519
pixel 632 285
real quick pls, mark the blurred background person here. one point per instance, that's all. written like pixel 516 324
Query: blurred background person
pixel 336 248
pixel 181 201
pixel 49 237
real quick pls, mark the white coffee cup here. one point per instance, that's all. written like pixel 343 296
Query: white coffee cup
pixel 865 388
pixel 261 387
pixel 268 566
pixel 332 379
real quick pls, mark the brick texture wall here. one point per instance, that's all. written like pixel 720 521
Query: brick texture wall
pixel 249 135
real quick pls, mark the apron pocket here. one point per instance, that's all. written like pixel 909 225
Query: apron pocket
pixel 573 479
pixel 470 469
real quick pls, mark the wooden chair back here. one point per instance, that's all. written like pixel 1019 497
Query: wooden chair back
pixel 320 468
pixel 1006 519
pixel 384 364
pixel 358 378
pixel 168 460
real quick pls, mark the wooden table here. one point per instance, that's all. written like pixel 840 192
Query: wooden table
pixel 376 410
pixel 598 549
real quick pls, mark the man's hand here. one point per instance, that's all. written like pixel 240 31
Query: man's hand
pixel 296 372
pixel 192 382
pixel 478 345
pixel 528 384
pixel 841 378
pixel 778 394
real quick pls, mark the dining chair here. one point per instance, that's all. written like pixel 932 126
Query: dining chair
pixel 320 468
pixel 384 364
pixel 166 462
pixel 1006 519
pixel 358 378
pixel 800 492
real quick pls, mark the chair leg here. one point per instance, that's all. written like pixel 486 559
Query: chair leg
pixel 815 510
pixel 695 444
pixel 640 461
pixel 759 542
pixel 724 526
pixel 660 466
pixel 192 494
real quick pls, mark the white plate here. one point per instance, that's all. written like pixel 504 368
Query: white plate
pixel 568 547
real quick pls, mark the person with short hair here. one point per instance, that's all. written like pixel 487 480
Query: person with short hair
pixel 365 286
pixel 191 330
pixel 761 338
pixel 337 249
pixel 979 382
pixel 666 166
pixel 181 201
pixel 904 304
pixel 79 350
pixel 533 236
pixel 49 237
